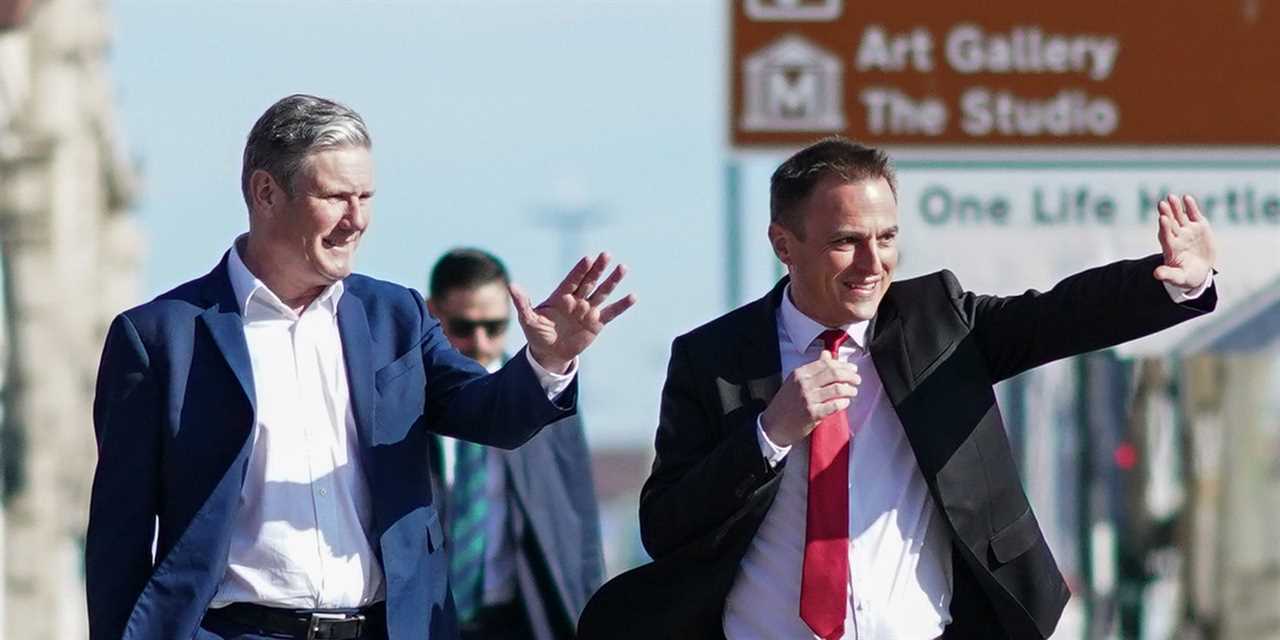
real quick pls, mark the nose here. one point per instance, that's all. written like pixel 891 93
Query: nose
pixel 358 211
pixel 868 257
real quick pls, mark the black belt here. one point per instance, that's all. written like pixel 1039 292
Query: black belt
pixel 346 624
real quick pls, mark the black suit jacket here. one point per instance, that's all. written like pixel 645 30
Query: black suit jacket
pixel 553 514
pixel 938 351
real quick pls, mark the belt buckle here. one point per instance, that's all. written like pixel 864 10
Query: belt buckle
pixel 313 625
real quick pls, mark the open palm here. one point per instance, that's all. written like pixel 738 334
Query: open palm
pixel 568 321
pixel 1186 240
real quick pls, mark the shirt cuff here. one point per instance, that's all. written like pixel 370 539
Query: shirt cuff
pixel 553 384
pixel 1180 295
pixel 773 454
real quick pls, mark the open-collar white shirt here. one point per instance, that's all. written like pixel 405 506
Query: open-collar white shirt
pixel 899 551
pixel 300 537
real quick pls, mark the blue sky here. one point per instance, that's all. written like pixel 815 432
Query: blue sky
pixel 485 114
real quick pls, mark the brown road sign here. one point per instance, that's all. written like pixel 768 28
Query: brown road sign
pixel 1002 72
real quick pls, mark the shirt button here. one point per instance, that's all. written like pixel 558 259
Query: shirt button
pixel 324 492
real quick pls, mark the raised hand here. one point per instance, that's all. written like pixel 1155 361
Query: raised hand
pixel 1186 242
pixel 568 321
pixel 811 393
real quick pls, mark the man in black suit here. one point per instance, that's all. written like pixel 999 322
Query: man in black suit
pixel 523 524
pixel 831 462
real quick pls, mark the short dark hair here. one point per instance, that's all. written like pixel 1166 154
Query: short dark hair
pixel 795 179
pixel 465 268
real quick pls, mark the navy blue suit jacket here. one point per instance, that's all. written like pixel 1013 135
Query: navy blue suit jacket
pixel 173 416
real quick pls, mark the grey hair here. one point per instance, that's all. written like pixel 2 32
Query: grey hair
pixel 292 129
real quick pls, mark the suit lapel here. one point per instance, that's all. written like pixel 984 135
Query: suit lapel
pixel 357 350
pixel 222 318
pixel 892 357
pixel 888 349
pixel 758 357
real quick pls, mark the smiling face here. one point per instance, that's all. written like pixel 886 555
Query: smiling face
pixel 304 242
pixel 843 261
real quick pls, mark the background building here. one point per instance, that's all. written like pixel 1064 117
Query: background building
pixel 70 257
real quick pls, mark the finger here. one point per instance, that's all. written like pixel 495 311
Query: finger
pixel 524 309
pixel 607 286
pixel 831 406
pixel 1193 208
pixel 833 373
pixel 572 279
pixel 1179 213
pixel 616 309
pixel 1166 233
pixel 589 280
pixel 1166 209
pixel 833 391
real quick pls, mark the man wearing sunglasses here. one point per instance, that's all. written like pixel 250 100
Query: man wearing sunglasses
pixel 524 525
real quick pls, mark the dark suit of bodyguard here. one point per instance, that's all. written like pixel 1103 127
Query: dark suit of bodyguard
pixel 524 524
pixel 179 407
pixel 937 351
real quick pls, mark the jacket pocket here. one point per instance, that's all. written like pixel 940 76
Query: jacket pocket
pixel 1016 538
pixel 397 368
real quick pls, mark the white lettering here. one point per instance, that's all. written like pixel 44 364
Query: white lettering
pixel 895 113
pixel 1029 50
pixel 1067 114
pixel 792 97
pixel 880 52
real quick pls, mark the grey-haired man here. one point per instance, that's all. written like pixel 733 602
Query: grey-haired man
pixel 266 424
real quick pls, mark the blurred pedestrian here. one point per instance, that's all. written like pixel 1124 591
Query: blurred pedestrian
pixel 524 526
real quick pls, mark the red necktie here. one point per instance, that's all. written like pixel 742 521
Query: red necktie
pixel 823 586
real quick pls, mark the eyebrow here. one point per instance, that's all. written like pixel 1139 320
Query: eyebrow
pixel 859 233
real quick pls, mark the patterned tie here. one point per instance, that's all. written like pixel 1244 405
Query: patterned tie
pixel 823 594
pixel 467 510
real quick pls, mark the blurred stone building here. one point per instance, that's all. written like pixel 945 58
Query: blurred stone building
pixel 69 255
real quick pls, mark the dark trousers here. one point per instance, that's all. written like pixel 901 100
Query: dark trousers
pixel 503 622
pixel 972 616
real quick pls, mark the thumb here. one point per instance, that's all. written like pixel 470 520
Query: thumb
pixel 1165 273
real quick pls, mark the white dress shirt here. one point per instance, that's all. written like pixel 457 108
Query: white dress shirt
pixel 899 549
pixel 300 537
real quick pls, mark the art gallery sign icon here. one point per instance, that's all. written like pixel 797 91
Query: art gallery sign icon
pixel 792 85
pixel 797 10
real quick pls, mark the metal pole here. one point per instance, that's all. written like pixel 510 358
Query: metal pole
pixel 733 232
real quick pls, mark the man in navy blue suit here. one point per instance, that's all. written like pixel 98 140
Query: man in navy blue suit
pixel 262 430
pixel 524 526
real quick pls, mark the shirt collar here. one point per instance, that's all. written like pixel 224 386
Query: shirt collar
pixel 247 287
pixel 804 330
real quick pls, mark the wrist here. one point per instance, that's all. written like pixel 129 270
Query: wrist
pixel 551 363
pixel 773 433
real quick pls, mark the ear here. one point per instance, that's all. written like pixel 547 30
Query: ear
pixel 781 239
pixel 264 192
pixel 431 307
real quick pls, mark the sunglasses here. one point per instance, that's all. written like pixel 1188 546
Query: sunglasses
pixel 461 327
